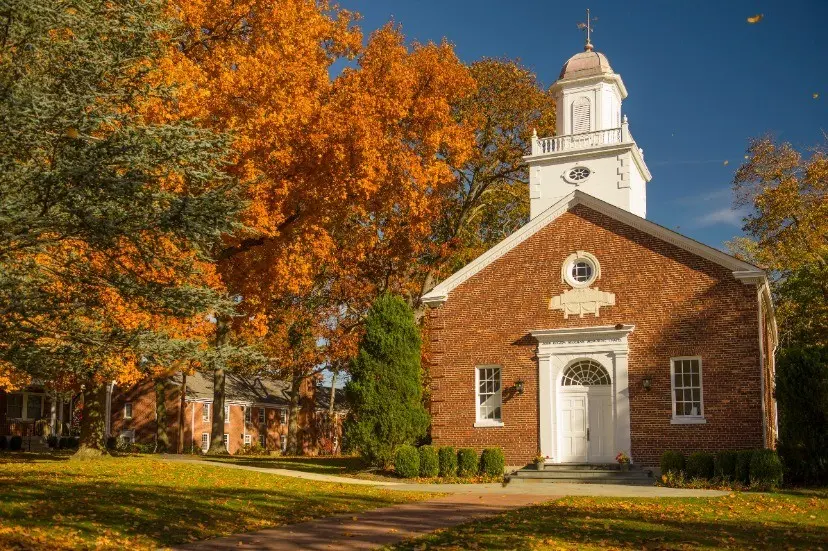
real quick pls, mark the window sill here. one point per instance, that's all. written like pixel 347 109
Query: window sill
pixel 488 424
pixel 688 421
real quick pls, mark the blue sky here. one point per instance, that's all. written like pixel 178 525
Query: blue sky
pixel 701 80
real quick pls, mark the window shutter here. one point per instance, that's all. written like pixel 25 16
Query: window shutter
pixel 580 116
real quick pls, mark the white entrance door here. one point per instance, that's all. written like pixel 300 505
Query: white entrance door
pixel 573 425
pixel 600 425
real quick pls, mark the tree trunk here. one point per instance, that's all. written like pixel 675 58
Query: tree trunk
pixel 182 409
pixel 293 416
pixel 93 424
pixel 219 376
pixel 162 438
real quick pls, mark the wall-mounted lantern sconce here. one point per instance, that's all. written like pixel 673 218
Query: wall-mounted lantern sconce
pixel 647 382
pixel 519 386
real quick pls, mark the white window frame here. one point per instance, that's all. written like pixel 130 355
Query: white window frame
pixel 226 414
pixel 205 441
pixel 22 405
pixel 262 416
pixel 486 422
pixel 283 416
pixel 248 439
pixel 127 406
pixel 686 419
pixel 248 415
pixel 263 441
pixel 226 441
pixel 205 412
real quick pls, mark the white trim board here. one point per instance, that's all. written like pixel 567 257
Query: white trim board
pixel 742 271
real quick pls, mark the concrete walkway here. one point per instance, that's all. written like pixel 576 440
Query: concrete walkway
pixel 546 490
pixel 372 529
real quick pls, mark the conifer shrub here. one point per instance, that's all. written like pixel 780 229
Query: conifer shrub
pixel 4 443
pixel 700 465
pixel 385 389
pixel 765 469
pixel 16 443
pixel 492 462
pixel 467 462
pixel 743 458
pixel 407 461
pixel 448 461
pixel 725 465
pixel 52 442
pixel 429 463
pixel 672 462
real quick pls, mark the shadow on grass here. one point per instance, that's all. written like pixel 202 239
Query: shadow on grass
pixel 647 524
pixel 32 457
pixel 131 508
pixel 318 465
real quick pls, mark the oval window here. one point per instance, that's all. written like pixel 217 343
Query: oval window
pixel 579 174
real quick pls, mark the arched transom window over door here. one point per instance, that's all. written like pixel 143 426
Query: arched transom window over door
pixel 585 373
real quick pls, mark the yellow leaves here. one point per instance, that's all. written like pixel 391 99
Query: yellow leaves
pixel 815 95
pixel 755 18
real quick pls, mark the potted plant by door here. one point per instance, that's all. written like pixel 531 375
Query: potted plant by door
pixel 540 461
pixel 623 461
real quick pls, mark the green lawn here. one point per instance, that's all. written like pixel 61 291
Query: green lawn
pixel 49 502
pixel 339 466
pixel 739 521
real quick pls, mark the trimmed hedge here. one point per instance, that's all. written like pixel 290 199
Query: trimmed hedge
pixel 448 461
pixel 672 462
pixel 700 465
pixel 407 461
pixel 765 469
pixel 52 442
pixel 725 465
pixel 3 443
pixel 16 443
pixel 492 462
pixel 466 462
pixel 743 459
pixel 429 463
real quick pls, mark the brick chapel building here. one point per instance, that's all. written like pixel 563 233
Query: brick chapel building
pixel 591 330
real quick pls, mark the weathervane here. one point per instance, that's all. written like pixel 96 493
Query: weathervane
pixel 588 28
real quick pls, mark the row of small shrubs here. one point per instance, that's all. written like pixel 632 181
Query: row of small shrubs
pixel 761 468
pixel 63 442
pixel 11 443
pixel 430 462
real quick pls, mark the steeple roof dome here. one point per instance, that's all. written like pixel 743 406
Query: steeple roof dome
pixel 585 64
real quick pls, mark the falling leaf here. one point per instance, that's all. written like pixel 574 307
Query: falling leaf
pixel 726 162
pixel 816 96
pixel 755 19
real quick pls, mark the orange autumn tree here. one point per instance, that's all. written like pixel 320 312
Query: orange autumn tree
pixel 106 213
pixel 319 158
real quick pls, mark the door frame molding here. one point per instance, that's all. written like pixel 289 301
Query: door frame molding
pixel 607 345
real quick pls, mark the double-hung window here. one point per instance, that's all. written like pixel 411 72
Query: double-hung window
pixel 14 406
pixel 205 441
pixel 283 416
pixel 686 381
pixel 128 410
pixel 226 440
pixel 247 439
pixel 205 413
pixel 247 414
pixel 261 416
pixel 263 441
pixel 489 396
pixel 226 413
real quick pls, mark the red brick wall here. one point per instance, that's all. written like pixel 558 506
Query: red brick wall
pixel 680 304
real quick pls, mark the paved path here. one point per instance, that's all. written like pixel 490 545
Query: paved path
pixel 372 529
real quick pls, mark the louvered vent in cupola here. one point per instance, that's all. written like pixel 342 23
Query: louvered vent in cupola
pixel 580 115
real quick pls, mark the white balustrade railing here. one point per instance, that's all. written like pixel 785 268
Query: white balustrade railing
pixel 570 142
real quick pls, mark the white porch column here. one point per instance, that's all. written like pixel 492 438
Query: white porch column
pixel 546 405
pixel 53 414
pixel 108 420
pixel 622 399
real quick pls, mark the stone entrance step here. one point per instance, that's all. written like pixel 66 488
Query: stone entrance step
pixel 583 474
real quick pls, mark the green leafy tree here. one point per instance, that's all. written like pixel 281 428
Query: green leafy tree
pixel 385 390
pixel 108 212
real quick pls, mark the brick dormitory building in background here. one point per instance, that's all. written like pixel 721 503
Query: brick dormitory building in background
pixel 256 412
pixel 590 330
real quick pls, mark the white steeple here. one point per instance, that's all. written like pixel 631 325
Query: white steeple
pixel 593 149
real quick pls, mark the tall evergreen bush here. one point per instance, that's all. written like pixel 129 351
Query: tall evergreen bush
pixel 385 390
